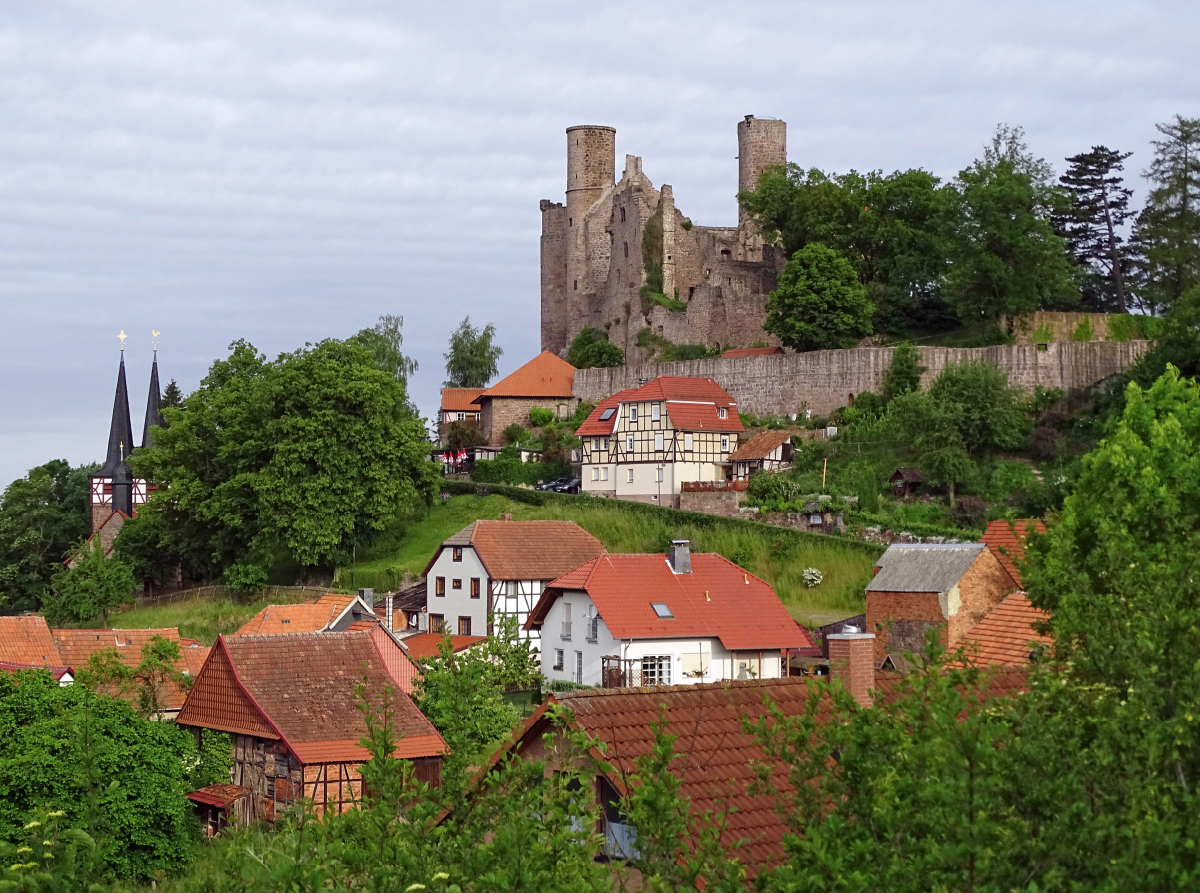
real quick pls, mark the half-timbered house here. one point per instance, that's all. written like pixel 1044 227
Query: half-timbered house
pixel 642 444
pixel 500 567
pixel 290 703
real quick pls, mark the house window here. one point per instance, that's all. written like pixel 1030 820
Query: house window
pixel 629 442
pixel 456 583
pixel 439 586
pixel 462 416
pixel 596 443
pixel 558 659
pixel 629 478
pixel 593 630
pixel 655 412
pixel 595 474
pixel 658 443
pixel 633 412
pixel 579 667
pixel 566 622
pixel 687 442
pixel 475 587
pixel 437 623
pixel 814 520
pixel 656 670
pixel 464 626
pixel 659 475
pixel 725 443
pixel 458 553
pixel 721 412
pixel 604 473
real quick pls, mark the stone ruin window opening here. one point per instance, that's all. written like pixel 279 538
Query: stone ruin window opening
pixel 627 249
pixel 575 285
pixel 725 253
pixel 691 292
pixel 707 272
pixel 622 215
pixel 570 221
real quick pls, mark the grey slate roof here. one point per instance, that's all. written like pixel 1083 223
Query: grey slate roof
pixel 924 568
pixel 120 431
pixel 153 404
pixel 463 537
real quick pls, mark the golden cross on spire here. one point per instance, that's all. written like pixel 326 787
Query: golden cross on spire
pixel 155 333
pixel 122 336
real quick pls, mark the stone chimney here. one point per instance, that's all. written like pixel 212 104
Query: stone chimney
pixel 852 661
pixel 681 556
pixel 387 611
pixel 506 516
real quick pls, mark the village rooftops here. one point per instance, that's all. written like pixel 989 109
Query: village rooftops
pixel 330 611
pixel 692 403
pixel 1007 539
pixel 525 550
pixel 1006 636
pixel 602 420
pixel 426 645
pixel 26 640
pixel 760 446
pixel 642 597
pixel 546 375
pixel 923 567
pixel 301 690
pixel 460 399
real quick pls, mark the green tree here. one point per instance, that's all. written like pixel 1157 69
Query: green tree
pixel 935 428
pixel 1099 208
pixel 991 410
pixel 42 517
pixel 471 361
pixel 1166 237
pixel 819 304
pixel 149 685
pixel 1006 258
pixel 246 579
pixel 888 227
pixel 385 341
pixel 461 437
pixel 147 543
pixel 91 589
pixel 172 397
pixel 903 372
pixel 591 349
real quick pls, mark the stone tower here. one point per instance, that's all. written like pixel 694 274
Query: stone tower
pixel 591 168
pixel 761 142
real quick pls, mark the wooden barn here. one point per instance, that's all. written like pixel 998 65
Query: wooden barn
pixel 289 702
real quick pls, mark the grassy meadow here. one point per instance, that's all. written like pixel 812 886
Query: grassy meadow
pixel 199 618
pixel 778 557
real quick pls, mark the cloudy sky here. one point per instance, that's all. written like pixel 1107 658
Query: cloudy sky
pixel 285 172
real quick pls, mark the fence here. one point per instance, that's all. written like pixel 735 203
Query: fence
pixel 267 593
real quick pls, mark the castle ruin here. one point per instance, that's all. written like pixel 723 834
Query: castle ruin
pixel 620 257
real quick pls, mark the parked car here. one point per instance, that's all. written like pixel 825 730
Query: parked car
pixel 552 485
pixel 571 486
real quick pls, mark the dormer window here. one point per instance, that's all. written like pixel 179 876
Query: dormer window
pixel 662 611
pixel 720 412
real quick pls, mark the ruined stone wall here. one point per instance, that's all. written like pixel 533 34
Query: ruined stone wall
pixel 500 412
pixel 824 380
pixel 1061 326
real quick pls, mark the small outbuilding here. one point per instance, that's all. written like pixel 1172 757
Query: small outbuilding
pixel 907 481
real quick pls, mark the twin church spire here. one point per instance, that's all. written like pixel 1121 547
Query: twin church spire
pixel 123 488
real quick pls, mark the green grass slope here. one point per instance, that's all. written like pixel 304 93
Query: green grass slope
pixel 198 618
pixel 778 556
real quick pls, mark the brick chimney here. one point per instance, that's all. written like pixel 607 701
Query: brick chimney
pixel 506 516
pixel 852 660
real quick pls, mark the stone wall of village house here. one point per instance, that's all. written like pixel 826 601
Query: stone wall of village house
pixel 688 656
pixel 824 380
pixel 500 412
pixel 982 587
pixel 710 502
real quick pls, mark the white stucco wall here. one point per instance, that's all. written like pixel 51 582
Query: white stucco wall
pixel 458 603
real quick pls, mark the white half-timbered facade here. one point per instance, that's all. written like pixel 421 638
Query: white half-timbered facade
pixel 643 443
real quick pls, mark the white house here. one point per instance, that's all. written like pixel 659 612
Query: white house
pixel 500 567
pixel 634 620
pixel 643 443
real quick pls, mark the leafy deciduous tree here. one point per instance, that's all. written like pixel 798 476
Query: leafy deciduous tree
pixel 89 590
pixel 472 357
pixel 819 304
pixel 386 340
pixel 903 372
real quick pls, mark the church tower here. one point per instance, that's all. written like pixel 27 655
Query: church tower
pixel 114 489
pixel 153 403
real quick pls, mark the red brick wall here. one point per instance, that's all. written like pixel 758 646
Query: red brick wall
pixel 852 661
pixel 901 618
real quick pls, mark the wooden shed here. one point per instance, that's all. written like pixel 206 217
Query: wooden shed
pixel 907 481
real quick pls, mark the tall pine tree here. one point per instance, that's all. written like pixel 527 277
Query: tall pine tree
pixel 1166 238
pixel 1099 207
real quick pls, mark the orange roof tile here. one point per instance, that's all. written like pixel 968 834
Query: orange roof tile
pixel 1007 540
pixel 593 425
pixel 460 399
pixel 717 598
pixel 426 645
pixel 77 645
pixel 526 550
pixel 671 387
pixel 702 417
pixel 218 794
pixel 195 656
pixel 26 639
pixel 546 375
pixel 1005 635
pixel 302 688
pixel 760 446
pixel 750 352
pixel 307 617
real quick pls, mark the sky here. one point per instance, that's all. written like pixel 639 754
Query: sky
pixel 287 172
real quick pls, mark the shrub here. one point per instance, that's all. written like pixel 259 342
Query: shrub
pixel 245 578
pixel 1123 327
pixel 1043 335
pixel 1083 332
pixel 812 577
pixel 1045 441
pixel 513 433
pixel 970 512
pixel 539 416
pixel 869 404
pixel 590 349
pixel 903 373
pixel 460 436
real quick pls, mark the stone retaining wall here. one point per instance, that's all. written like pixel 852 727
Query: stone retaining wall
pixel 826 379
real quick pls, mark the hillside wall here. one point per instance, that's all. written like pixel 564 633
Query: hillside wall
pixel 826 379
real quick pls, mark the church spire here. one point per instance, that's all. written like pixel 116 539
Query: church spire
pixel 120 432
pixel 153 402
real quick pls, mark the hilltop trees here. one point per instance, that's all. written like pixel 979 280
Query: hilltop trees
pixel 819 304
pixel 591 349
pixel 385 341
pixel 472 356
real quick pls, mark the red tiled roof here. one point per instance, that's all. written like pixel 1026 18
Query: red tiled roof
pixel 760 445
pixel 1004 635
pixel 526 550
pixel 593 426
pixel 717 598
pixel 702 417
pixel 425 645
pixel 307 617
pixel 460 399
pixel 546 375
pixel 218 794
pixel 1007 541
pixel 669 387
pixel 302 688
pixel 77 645
pixel 750 352
pixel 195 656
pixel 56 673
pixel 26 639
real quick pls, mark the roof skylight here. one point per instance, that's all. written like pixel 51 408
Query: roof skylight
pixel 607 414
pixel 661 610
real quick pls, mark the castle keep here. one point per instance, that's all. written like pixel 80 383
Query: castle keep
pixel 614 246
